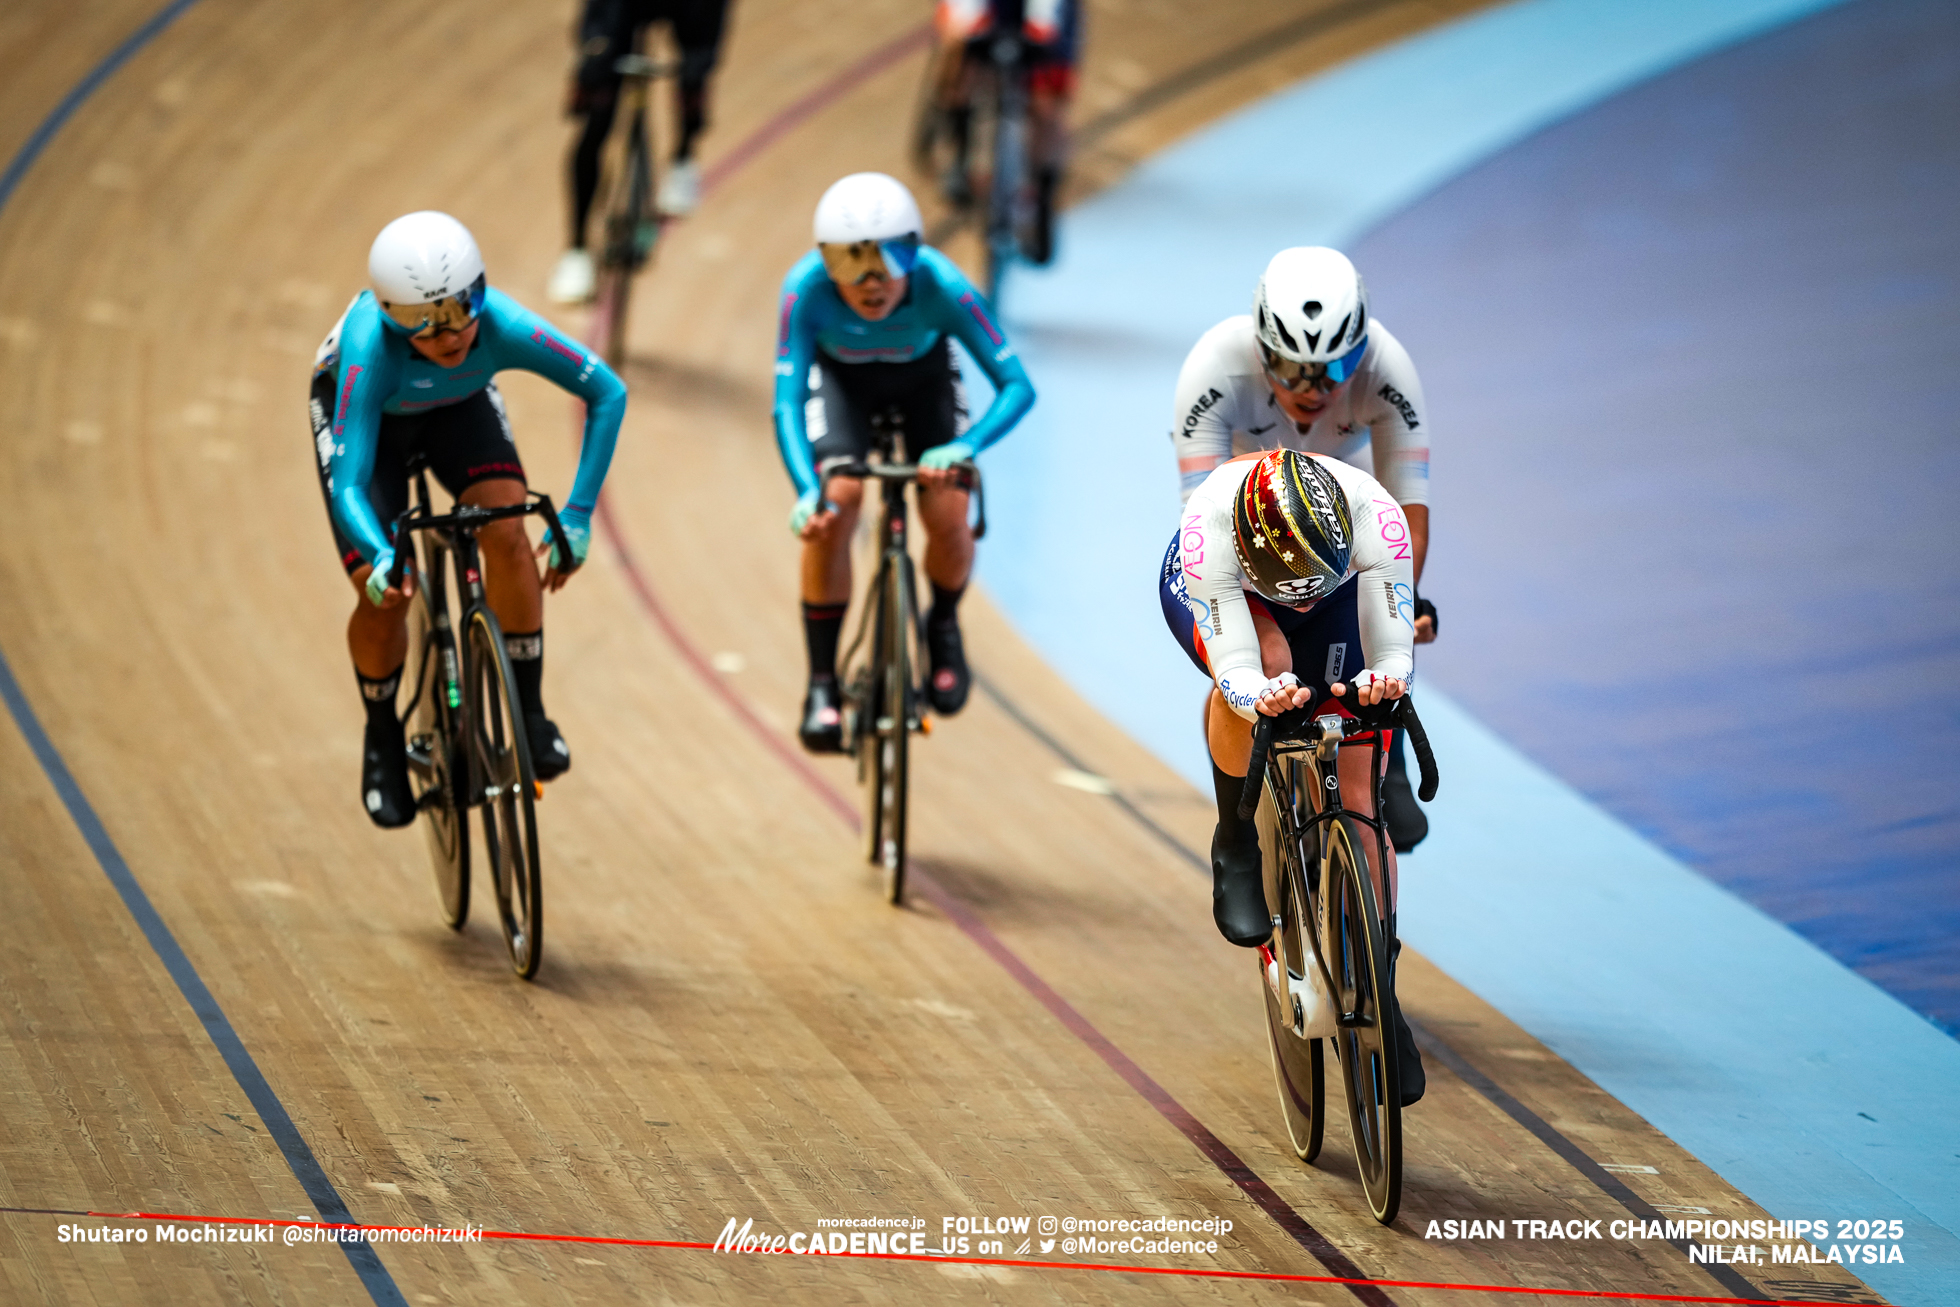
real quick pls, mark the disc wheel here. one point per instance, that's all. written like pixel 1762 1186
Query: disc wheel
pixel 438 783
pixel 505 786
pixel 1298 1074
pixel 1365 1044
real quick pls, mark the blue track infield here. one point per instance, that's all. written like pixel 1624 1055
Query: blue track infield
pixel 1658 561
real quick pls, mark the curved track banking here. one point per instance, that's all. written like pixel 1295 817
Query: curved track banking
pixel 728 1023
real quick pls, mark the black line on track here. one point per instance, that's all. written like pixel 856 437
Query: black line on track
pixel 299 1157
pixel 1603 1180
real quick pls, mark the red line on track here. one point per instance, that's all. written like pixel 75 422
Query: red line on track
pixel 1195 1272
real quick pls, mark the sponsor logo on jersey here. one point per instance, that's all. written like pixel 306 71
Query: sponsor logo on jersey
pixel 1401 404
pixel 1198 410
pixel 1394 529
pixel 782 327
pixel 1401 602
pixel 347 383
pixel 971 302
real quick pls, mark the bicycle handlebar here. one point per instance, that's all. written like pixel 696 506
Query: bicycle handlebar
pixel 472 518
pixel 1399 712
pixel 969 480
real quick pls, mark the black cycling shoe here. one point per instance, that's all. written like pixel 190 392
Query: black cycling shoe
pixel 385 792
pixel 1406 823
pixel 949 682
pixel 823 721
pixel 1238 891
pixel 550 757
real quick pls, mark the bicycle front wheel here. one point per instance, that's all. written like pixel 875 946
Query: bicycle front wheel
pixel 888 776
pixel 505 786
pixel 436 770
pixel 1365 1044
pixel 1286 964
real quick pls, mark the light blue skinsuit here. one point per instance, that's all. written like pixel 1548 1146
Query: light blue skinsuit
pixel 377 371
pixel 939 300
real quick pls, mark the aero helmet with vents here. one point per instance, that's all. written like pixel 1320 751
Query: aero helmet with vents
pixel 1311 316
pixel 427 273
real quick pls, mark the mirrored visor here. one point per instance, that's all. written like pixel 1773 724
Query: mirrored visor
pixel 850 264
pixel 1300 377
pixel 450 313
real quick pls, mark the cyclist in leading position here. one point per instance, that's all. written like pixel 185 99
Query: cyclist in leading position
pixel 1308 369
pixel 1052 31
pixel 1289 584
pixel 609 29
pixel 409 369
pixel 866 325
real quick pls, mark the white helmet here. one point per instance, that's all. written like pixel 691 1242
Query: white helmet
pixel 1311 315
pixel 867 206
pixel 868 224
pixel 427 272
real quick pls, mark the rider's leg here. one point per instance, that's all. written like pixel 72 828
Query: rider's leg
pixel 826 596
pixel 1238 893
pixel 697 32
pixel 949 564
pixel 1407 826
pixel 515 592
pixel 573 279
pixel 377 640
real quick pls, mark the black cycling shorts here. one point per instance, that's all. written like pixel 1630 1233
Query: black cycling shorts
pixel 466 442
pixel 839 399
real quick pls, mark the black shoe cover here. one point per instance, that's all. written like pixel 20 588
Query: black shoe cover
pixel 1238 891
pixel 1408 1060
pixel 550 757
pixel 949 682
pixel 385 792
pixel 1406 823
pixel 823 722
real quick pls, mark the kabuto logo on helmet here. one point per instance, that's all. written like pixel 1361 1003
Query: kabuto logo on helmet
pixel 1291 528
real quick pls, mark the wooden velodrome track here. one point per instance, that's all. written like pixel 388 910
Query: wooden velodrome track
pixel 729 1022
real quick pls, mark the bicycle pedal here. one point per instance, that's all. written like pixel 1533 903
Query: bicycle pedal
pixel 925 726
pixel 537 789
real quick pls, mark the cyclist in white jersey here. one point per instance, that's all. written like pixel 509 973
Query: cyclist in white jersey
pixel 1291 583
pixel 1308 369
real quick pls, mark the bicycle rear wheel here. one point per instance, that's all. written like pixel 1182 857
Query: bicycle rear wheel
pixel 435 772
pixel 889 708
pixel 1008 189
pixel 631 230
pixel 1365 1044
pixel 505 786
pixel 1298 1073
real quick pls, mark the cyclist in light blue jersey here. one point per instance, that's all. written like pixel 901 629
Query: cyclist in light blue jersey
pixel 409 370
pixel 866 322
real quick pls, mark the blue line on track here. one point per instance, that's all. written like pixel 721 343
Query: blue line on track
pixel 306 1168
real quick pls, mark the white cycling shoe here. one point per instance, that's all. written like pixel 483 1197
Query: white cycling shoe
pixel 680 190
pixel 573 279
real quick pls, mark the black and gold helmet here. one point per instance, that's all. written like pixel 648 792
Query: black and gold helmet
pixel 1292 528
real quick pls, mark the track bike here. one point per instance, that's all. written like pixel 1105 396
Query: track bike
pixel 467 746
pixel 1328 971
pixel 631 227
pixel 1013 224
pixel 884 702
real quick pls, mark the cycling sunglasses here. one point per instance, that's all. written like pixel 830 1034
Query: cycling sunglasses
pixel 1300 377
pixel 850 264
pixel 450 313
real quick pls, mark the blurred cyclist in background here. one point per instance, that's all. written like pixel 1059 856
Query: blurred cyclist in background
pixel 865 323
pixel 608 30
pixel 409 370
pixel 1308 369
pixel 1052 31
